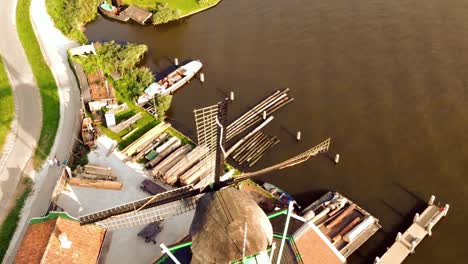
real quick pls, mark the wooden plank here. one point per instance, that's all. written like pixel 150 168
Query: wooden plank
pixel 145 139
pixel 124 124
pixel 98 170
pixel 99 184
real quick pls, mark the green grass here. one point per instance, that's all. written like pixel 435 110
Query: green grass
pixel 8 227
pixel 185 6
pixel 45 81
pixel 7 102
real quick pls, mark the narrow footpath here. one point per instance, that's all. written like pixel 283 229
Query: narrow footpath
pixel 54 47
pixel 26 126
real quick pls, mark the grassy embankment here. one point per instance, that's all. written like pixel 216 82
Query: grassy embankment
pixel 71 16
pixel 45 81
pixel 7 102
pixel 169 10
pixel 8 227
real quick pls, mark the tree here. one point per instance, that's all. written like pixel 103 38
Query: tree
pixel 163 103
pixel 163 14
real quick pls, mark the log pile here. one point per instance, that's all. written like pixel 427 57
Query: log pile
pixel 94 172
pixel 163 151
pixel 199 171
pixel 253 149
pixel 160 170
pixel 140 144
pixel 192 158
pixel 256 114
pixel 151 146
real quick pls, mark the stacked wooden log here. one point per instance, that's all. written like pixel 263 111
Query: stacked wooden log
pixel 172 175
pixel 163 151
pixel 94 172
pixel 258 113
pixel 198 171
pixel 253 149
pixel 165 165
pixel 151 146
pixel 141 143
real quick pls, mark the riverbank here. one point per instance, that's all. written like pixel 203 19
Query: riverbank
pixel 6 112
pixel 45 81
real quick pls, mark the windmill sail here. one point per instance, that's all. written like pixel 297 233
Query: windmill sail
pixel 158 199
pixel 150 215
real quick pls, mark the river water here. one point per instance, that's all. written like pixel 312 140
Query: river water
pixel 386 80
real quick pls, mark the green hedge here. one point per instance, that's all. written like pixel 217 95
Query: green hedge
pixel 7 102
pixel 8 227
pixel 45 80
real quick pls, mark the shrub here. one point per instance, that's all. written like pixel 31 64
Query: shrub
pixel 163 103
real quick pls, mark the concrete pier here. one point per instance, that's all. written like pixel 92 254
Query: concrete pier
pixel 406 243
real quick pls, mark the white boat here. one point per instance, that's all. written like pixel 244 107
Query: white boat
pixel 171 82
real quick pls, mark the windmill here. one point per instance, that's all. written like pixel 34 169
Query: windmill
pixel 211 130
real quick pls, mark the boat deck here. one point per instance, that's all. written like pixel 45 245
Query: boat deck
pixel 405 244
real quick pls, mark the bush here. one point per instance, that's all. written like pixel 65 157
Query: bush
pixel 163 14
pixel 70 16
pixel 163 103
pixel 133 82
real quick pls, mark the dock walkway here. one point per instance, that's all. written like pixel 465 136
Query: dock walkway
pixel 422 226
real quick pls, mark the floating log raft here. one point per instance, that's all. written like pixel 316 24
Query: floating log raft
pixel 100 184
pixel 251 150
pixel 269 105
pixel 141 142
pixel 124 124
pixel 161 169
pixel 163 151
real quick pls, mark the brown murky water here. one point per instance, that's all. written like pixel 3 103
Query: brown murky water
pixel 386 80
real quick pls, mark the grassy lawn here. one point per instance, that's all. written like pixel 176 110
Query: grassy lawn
pixel 7 102
pixel 45 80
pixel 185 6
pixel 8 227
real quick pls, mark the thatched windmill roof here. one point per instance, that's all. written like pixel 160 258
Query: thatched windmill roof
pixel 218 228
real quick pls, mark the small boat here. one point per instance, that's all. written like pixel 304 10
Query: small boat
pixel 113 12
pixel 171 82
pixel 88 132
pixel 283 196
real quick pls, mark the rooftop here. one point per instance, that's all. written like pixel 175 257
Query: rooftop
pixel 59 238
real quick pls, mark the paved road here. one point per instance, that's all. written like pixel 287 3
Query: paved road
pixel 54 46
pixel 27 124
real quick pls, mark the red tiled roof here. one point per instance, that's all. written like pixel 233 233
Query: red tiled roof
pixel 313 248
pixel 41 244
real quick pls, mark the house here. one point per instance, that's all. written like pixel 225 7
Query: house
pixel 59 238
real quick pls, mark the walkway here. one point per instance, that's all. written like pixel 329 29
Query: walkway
pixel 26 125
pixel 54 46
pixel 422 226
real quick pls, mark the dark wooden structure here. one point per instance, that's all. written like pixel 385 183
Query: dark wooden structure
pixel 151 187
pixel 150 231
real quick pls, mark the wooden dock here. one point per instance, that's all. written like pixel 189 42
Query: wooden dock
pixel 406 244
pixel 137 14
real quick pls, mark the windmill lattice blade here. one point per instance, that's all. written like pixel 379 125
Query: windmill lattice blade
pixel 150 215
pixel 207 135
pixel 132 206
pixel 304 156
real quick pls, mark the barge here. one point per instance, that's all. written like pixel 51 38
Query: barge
pixel 171 82
pixel 113 12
